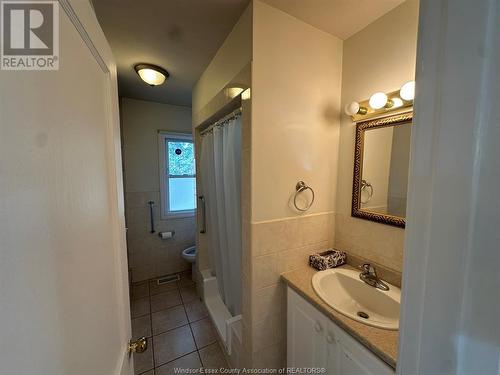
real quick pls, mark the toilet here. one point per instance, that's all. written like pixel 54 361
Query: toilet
pixel 189 255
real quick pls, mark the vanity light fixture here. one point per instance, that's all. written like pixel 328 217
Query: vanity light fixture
pixel 354 108
pixel 153 75
pixel 382 103
pixel 407 91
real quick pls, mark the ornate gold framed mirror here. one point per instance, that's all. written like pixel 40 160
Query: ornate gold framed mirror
pixel 381 161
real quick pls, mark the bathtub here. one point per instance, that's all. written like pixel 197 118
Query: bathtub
pixel 228 327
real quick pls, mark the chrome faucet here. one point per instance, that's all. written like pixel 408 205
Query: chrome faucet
pixel 369 276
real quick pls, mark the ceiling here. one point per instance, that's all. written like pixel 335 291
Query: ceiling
pixel 182 36
pixel 342 18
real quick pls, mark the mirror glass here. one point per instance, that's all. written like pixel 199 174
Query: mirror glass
pixel 383 157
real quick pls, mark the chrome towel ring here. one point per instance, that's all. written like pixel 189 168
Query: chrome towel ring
pixel 299 188
pixel 365 185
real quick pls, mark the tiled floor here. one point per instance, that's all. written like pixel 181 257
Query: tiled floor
pixel 176 322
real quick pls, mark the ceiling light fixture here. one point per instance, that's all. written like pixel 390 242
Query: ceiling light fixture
pixel 153 75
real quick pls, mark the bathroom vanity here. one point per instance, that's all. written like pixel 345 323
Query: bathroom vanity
pixel 320 337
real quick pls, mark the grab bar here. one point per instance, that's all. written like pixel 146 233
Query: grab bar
pixel 203 215
pixel 151 216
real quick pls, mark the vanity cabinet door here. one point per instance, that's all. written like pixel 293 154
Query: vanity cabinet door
pixel 354 359
pixel 306 343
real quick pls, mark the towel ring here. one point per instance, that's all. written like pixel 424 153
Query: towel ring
pixel 299 188
pixel 366 185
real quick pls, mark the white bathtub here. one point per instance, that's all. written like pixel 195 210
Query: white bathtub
pixel 228 326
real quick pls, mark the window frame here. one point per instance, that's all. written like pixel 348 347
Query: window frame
pixel 163 137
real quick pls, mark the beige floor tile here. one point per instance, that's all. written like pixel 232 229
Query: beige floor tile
pixel 139 290
pixel 189 293
pixel 213 357
pixel 186 279
pixel 173 344
pixel 165 300
pixel 168 319
pixel 139 307
pixel 190 361
pixel 144 361
pixel 141 327
pixel 204 332
pixel 196 310
pixel 154 288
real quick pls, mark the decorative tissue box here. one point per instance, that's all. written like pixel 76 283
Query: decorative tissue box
pixel 328 259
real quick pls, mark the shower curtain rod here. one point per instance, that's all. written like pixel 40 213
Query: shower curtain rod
pixel 227 117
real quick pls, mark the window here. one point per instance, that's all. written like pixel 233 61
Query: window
pixel 177 175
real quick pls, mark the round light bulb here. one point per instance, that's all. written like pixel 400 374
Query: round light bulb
pixel 378 100
pixel 352 108
pixel 407 91
pixel 396 102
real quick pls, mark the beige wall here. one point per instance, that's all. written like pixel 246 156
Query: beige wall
pixel 295 133
pixel 150 256
pixel 296 107
pixel 234 54
pixel 379 58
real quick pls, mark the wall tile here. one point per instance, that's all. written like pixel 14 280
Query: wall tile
pixel 265 271
pixel 379 243
pixel 271 237
pixel 267 301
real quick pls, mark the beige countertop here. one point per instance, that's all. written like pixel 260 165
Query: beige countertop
pixel 383 343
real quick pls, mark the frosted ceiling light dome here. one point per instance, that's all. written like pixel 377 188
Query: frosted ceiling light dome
pixel 407 91
pixel 378 100
pixel 153 75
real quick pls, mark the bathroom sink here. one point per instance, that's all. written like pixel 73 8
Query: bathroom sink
pixel 343 290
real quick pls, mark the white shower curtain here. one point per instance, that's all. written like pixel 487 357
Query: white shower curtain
pixel 221 186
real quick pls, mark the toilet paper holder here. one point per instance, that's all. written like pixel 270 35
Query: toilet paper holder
pixel 166 235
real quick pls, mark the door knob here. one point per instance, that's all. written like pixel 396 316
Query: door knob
pixel 138 346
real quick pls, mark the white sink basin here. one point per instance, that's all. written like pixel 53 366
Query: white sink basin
pixel 343 290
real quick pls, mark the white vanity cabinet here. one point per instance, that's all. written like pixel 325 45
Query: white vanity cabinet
pixel 313 340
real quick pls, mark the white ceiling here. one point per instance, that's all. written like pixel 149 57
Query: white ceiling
pixel 182 36
pixel 341 18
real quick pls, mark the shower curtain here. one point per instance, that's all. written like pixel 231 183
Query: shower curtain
pixel 221 186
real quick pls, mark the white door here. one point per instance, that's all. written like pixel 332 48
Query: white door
pixel 63 271
pixel 306 345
